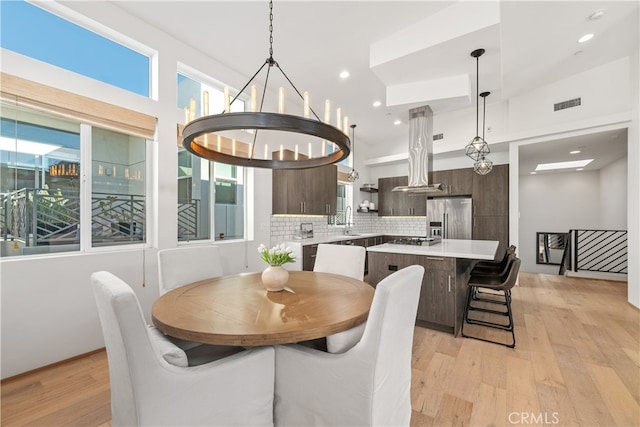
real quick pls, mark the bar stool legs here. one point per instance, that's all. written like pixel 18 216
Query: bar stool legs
pixel 487 294
pixel 509 326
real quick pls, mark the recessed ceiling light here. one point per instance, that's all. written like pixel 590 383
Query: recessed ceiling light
pixel 377 103
pixel 344 74
pixel 597 14
pixel 585 38
pixel 563 165
pixel 574 152
pixel 397 122
pixel 533 173
pixel 580 169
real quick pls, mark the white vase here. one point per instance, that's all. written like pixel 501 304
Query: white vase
pixel 274 278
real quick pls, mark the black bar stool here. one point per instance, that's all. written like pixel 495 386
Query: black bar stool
pixel 493 266
pixel 500 284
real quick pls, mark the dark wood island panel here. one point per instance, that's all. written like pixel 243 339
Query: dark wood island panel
pixel 444 286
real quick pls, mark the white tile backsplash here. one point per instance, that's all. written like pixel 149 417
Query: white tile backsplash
pixel 285 228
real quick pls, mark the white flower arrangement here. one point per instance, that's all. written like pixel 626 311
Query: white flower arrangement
pixel 277 255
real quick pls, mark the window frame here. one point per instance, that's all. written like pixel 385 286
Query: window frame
pixel 247 180
pixel 74 18
pixel 57 109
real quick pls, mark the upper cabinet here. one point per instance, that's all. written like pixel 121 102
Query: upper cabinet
pixel 491 192
pixel 311 191
pixel 459 182
pixel 399 203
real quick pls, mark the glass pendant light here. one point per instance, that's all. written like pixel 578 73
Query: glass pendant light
pixel 483 165
pixel 478 147
pixel 353 175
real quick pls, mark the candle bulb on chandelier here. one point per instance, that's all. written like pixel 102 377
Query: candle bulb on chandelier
pixel 307 108
pixel 310 156
pixel 339 118
pixel 205 103
pixel 281 100
pixel 345 125
pixel 254 98
pixel 281 152
pixel 227 101
pixel 296 155
pixel 192 109
pixel 327 111
pixel 266 151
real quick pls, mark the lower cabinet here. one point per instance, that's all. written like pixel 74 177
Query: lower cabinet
pixel 443 292
pixel 309 257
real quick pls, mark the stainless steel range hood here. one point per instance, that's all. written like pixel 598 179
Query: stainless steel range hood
pixel 421 153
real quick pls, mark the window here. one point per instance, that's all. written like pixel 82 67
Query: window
pixel 34 32
pixel 40 186
pixel 41 189
pixel 118 201
pixel 203 208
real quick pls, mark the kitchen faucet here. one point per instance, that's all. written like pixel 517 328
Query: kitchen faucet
pixel 347 220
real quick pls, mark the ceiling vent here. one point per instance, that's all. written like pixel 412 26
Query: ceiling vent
pixel 438 136
pixel 567 104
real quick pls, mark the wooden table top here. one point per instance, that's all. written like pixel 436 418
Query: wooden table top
pixel 238 310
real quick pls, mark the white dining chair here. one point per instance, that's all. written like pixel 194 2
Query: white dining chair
pixel 368 385
pixel 180 266
pixel 152 382
pixel 346 260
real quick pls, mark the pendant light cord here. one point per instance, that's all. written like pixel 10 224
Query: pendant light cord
pixel 484 110
pixel 477 92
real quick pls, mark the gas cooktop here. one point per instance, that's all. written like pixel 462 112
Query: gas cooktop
pixel 417 241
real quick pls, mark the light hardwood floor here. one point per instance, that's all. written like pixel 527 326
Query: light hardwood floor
pixel 577 362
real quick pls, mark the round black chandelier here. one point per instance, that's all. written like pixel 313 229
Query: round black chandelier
pixel 206 136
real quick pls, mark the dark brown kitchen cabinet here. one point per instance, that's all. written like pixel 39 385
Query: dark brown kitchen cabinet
pixel 309 253
pixel 491 192
pixel 399 203
pixel 443 291
pixel 495 227
pixel 491 207
pixel 459 182
pixel 311 191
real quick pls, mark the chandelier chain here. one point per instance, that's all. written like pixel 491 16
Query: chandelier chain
pixel 271 29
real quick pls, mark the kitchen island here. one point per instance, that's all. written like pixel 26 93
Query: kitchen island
pixel 447 266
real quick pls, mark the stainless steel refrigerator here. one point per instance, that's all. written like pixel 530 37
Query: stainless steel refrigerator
pixel 450 218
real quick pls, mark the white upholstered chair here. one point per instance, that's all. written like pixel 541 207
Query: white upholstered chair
pixel 152 383
pixel 345 260
pixel 180 266
pixel 368 385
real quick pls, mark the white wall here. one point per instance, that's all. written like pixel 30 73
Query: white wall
pixel 48 311
pixel 633 174
pixel 555 202
pixel 613 196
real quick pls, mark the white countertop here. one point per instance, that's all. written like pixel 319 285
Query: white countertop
pixel 328 238
pixel 471 249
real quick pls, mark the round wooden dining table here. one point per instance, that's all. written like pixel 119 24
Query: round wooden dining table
pixel 238 310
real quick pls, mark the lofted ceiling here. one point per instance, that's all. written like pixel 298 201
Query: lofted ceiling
pixel 403 53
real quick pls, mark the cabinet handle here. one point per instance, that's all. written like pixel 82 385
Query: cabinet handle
pixel 435 258
pixel 449 283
